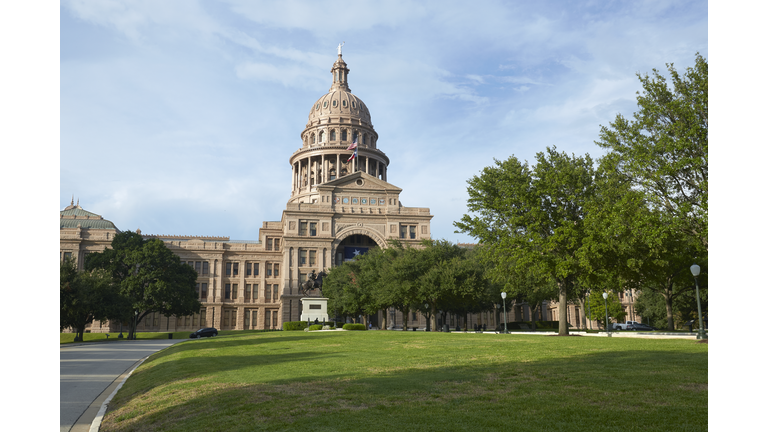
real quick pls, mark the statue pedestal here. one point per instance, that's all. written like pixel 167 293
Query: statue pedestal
pixel 314 308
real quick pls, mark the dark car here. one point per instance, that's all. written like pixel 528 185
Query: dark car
pixel 204 332
pixel 640 327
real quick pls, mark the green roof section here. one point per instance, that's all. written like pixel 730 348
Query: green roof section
pixel 78 212
pixel 74 215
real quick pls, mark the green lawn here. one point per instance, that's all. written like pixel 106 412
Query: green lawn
pixel 387 381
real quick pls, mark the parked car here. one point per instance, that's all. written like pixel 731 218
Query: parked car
pixel 204 332
pixel 623 326
pixel 640 327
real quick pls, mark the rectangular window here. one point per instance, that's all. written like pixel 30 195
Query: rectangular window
pixel 235 269
pixel 202 318
pixel 403 231
pixel 302 228
pixel 302 278
pixel 255 291
pixel 247 292
pixel 411 231
pixel 269 244
pixel 274 319
pixel 248 269
pixel 268 294
pixel 234 291
pixel 204 291
pixel 67 255
pixel 197 267
pixel 277 244
pixel 229 269
pixel 205 267
pixel 274 293
pixel 254 318
pixel 313 228
pixel 312 258
pixel 277 270
pixel 197 289
pixel 225 321
pixel 267 318
pixel 247 319
pixel 227 291
pixel 302 257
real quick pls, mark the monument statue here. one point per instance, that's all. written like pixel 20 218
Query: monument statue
pixel 340 45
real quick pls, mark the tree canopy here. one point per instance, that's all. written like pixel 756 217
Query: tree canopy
pixel 529 219
pixel 150 277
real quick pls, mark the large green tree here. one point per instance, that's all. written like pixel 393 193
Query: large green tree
pixel 531 218
pixel 597 306
pixel 149 275
pixel 663 150
pixel 86 297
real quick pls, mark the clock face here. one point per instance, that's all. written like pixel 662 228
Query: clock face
pixel 364 201
pixel 354 200
pixel 345 200
pixel 373 201
pixel 381 201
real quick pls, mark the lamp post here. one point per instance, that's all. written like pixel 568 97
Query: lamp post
pixel 504 303
pixel 695 270
pixel 605 299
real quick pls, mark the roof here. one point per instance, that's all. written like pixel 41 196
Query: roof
pixel 73 216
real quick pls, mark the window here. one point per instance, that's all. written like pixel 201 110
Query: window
pixel 277 244
pixel 255 291
pixel 204 291
pixel 202 318
pixel 205 267
pixel 234 291
pixel 408 231
pixel 255 269
pixel 322 136
pixel 267 318
pixel 313 228
pixel 274 293
pixel 302 228
pixel 197 288
pixel 269 270
pixel 302 278
pixel 67 255
pixel 312 258
pixel 269 244
pixel 268 294
pixel 225 321
pixel 277 270
pixel 247 292
pixel 227 291
pixel 235 267
pixel 343 134
pixel 248 269
pixel 197 267
pixel 333 135
pixel 302 257
pixel 229 267
pixel 247 319
pixel 254 318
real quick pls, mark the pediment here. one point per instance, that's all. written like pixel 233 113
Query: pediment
pixel 359 181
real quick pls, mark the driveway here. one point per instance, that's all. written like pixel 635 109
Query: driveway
pixel 87 370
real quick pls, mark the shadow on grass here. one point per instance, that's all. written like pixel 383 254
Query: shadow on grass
pixel 599 391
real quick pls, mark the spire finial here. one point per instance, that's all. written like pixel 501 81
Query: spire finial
pixel 73 200
pixel 78 201
pixel 339 48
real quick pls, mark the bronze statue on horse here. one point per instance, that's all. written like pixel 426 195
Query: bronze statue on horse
pixel 314 281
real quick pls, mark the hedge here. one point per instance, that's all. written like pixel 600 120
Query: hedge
pixel 351 326
pixel 294 325
pixel 315 327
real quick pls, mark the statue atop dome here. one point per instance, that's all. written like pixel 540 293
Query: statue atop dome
pixel 339 48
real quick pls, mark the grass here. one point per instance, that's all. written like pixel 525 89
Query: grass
pixel 384 380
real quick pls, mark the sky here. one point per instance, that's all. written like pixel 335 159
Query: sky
pixel 179 117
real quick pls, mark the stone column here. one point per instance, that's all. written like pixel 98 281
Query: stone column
pixel 323 168
pixel 338 165
pixel 366 165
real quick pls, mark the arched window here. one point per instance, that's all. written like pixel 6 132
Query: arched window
pixel 333 134
pixel 343 134
pixel 313 139
pixel 365 141
pixel 321 135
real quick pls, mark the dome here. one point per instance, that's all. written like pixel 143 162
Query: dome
pixel 339 103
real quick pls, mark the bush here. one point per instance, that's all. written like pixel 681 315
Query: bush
pixel 351 326
pixel 294 325
pixel 315 327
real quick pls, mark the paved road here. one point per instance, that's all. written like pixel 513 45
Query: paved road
pixel 87 370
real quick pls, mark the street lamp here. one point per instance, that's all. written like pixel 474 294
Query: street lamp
pixel 605 299
pixel 695 270
pixel 504 302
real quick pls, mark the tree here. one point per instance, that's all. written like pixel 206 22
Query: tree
pixel 664 150
pixel 86 297
pixel 150 277
pixel 531 218
pixel 597 307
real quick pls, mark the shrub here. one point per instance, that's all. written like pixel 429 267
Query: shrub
pixel 315 327
pixel 294 325
pixel 351 326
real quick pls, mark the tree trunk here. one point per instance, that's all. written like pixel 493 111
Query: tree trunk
pixel 405 319
pixel 384 319
pixel 668 302
pixel 434 318
pixel 583 313
pixel 562 310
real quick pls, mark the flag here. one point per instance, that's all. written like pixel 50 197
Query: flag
pixel 351 252
pixel 353 145
pixel 354 155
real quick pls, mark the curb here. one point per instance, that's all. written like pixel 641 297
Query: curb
pixel 96 424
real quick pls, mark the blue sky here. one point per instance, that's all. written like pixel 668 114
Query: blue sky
pixel 179 117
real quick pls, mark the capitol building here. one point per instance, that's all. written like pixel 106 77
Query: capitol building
pixel 339 206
